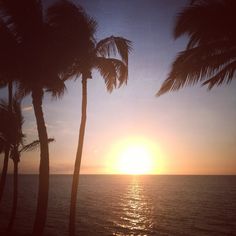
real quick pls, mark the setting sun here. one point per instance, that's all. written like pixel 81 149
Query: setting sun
pixel 134 155
pixel 135 160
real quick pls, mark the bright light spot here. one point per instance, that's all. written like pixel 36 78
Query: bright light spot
pixel 134 155
pixel 135 160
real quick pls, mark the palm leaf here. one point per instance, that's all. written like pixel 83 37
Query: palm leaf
pixel 22 27
pixel 196 65
pixel 2 83
pixel 34 145
pixel 3 105
pixel 210 55
pixel 56 87
pixel 71 31
pixel 113 71
pixel 22 90
pixel 2 143
pixel 112 46
pixel 11 122
pixel 224 76
pixel 207 21
pixel 7 47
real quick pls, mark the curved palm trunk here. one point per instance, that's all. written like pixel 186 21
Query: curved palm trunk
pixel 7 150
pixel 75 181
pixel 42 204
pixel 15 196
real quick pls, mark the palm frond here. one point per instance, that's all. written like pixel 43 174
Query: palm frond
pixel 224 76
pixel 2 143
pixel 16 107
pixel 195 65
pixel 3 106
pixel 34 145
pixel 73 72
pixel 22 27
pixel 207 21
pixel 11 122
pixel 113 71
pixel 56 87
pixel 70 35
pixel 22 90
pixel 112 46
pixel 2 83
pixel 7 48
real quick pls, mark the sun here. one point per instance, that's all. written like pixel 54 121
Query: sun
pixel 135 160
pixel 134 155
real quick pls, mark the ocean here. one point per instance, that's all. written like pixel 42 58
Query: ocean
pixel 130 205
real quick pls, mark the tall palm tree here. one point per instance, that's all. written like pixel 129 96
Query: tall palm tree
pixel 5 80
pixel 42 49
pixel 210 55
pixel 114 71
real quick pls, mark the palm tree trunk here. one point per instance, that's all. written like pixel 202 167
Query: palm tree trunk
pixel 42 204
pixel 4 171
pixel 15 196
pixel 7 150
pixel 75 181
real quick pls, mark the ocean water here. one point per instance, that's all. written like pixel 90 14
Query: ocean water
pixel 130 205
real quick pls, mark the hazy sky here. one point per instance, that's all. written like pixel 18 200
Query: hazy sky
pixel 193 131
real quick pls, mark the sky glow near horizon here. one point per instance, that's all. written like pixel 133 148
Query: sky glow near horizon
pixel 187 132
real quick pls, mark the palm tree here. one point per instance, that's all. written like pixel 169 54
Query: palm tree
pixel 6 80
pixel 11 123
pixel 210 55
pixel 6 146
pixel 11 136
pixel 42 51
pixel 114 71
pixel 16 151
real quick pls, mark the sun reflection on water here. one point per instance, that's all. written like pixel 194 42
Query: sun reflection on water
pixel 135 218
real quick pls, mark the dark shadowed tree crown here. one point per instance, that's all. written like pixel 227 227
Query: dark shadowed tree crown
pixel 210 55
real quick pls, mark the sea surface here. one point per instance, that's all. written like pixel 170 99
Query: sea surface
pixel 130 205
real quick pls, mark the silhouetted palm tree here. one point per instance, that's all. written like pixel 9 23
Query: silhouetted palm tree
pixel 210 55
pixel 11 135
pixel 6 146
pixel 11 123
pixel 15 155
pixel 42 49
pixel 114 71
pixel 5 80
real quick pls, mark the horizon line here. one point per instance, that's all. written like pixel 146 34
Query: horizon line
pixel 138 174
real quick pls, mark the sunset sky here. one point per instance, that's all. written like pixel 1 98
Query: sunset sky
pixel 187 132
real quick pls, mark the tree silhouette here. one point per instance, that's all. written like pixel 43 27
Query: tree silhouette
pixel 11 135
pixel 41 49
pixel 5 80
pixel 210 55
pixel 11 123
pixel 115 72
pixel 5 145
pixel 15 155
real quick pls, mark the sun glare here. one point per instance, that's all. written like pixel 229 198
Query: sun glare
pixel 135 160
pixel 134 155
